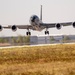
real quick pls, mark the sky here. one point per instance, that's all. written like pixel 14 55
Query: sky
pixel 54 11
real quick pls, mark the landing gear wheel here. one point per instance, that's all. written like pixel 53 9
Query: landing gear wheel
pixel 46 32
pixel 28 33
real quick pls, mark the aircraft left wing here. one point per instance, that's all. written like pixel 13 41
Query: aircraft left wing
pixel 66 23
pixel 57 25
pixel 48 25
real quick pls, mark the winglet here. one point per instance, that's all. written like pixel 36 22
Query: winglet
pixel 41 13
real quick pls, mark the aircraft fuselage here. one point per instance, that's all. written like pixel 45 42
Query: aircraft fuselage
pixel 36 23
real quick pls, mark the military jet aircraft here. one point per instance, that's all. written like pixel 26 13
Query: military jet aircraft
pixel 37 24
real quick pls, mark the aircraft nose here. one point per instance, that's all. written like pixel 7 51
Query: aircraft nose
pixel 33 19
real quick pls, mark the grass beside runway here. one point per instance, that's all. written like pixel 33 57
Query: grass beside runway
pixel 40 60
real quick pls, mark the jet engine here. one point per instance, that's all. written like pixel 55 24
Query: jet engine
pixel 1 28
pixel 58 26
pixel 73 24
pixel 14 28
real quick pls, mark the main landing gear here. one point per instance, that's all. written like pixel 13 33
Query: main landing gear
pixel 46 32
pixel 28 32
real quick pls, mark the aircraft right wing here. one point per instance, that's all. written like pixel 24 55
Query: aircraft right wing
pixel 22 26
pixel 14 27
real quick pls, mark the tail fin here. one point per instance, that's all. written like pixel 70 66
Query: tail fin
pixel 41 13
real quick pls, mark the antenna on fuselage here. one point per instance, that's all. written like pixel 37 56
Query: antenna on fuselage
pixel 41 13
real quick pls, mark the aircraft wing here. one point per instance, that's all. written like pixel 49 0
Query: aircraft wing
pixel 24 26
pixel 47 25
pixel 44 25
pixel 14 27
pixel 21 26
pixel 66 23
pixel 52 25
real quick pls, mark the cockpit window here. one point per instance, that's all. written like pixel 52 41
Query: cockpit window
pixel 33 18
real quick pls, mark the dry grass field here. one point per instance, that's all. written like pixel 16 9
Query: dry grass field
pixel 40 60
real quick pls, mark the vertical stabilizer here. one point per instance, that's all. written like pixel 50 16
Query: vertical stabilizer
pixel 41 13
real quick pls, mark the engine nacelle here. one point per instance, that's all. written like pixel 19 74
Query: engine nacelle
pixel 1 28
pixel 58 26
pixel 14 28
pixel 73 24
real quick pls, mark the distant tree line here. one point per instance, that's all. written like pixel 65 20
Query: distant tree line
pixel 16 40
pixel 21 40
pixel 2 40
pixel 65 39
pixel 25 40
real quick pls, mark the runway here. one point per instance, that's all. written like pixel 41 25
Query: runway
pixel 26 46
pixel 33 45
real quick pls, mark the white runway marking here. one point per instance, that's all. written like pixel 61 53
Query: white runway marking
pixel 32 45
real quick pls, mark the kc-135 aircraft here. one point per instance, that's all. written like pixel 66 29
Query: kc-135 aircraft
pixel 37 24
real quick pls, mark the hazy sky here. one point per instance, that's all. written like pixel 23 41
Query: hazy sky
pixel 19 11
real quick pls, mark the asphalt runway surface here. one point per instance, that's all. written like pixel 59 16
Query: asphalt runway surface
pixel 33 45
